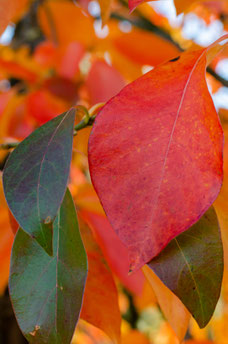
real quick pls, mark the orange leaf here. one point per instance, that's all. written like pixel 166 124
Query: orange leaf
pixel 221 204
pixel 147 297
pixel 195 341
pixel 100 306
pixel 182 6
pixel 10 9
pixel 105 6
pixel 134 337
pixel 6 240
pixel 162 49
pixel 63 22
pixel 173 309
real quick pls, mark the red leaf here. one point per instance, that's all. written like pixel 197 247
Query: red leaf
pixel 103 82
pixel 155 155
pixel 114 250
pixel 43 105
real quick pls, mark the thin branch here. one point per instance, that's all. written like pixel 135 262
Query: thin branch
pixel 223 81
pixel 144 24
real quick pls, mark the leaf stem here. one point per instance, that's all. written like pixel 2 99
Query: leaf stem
pixel 89 116
pixel 9 145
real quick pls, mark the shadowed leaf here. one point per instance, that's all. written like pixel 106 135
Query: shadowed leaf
pixel 35 177
pixel 192 267
pixel 46 292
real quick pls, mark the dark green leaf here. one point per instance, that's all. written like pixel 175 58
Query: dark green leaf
pixel 46 292
pixel 35 177
pixel 192 267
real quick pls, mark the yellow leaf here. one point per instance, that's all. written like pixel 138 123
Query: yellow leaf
pixel 173 309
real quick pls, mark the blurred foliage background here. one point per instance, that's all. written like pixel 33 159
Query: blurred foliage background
pixel 56 54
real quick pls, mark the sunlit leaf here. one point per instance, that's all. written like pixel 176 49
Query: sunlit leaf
pixel 221 204
pixel 58 29
pixel 173 309
pixel 135 337
pixel 182 6
pixel 9 9
pixel 161 50
pixel 155 155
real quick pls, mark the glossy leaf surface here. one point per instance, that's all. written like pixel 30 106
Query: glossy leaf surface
pixel 100 306
pixel 192 267
pixel 35 177
pixel 46 292
pixel 155 155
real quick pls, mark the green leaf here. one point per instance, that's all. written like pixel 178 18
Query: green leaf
pixel 191 266
pixel 47 292
pixel 35 177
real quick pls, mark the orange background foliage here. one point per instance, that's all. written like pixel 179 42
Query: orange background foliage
pixel 75 64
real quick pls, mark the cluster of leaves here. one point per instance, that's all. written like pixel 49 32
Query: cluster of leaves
pixel 155 157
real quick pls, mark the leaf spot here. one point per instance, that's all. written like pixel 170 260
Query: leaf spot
pixel 33 333
pixel 47 220
pixel 175 59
